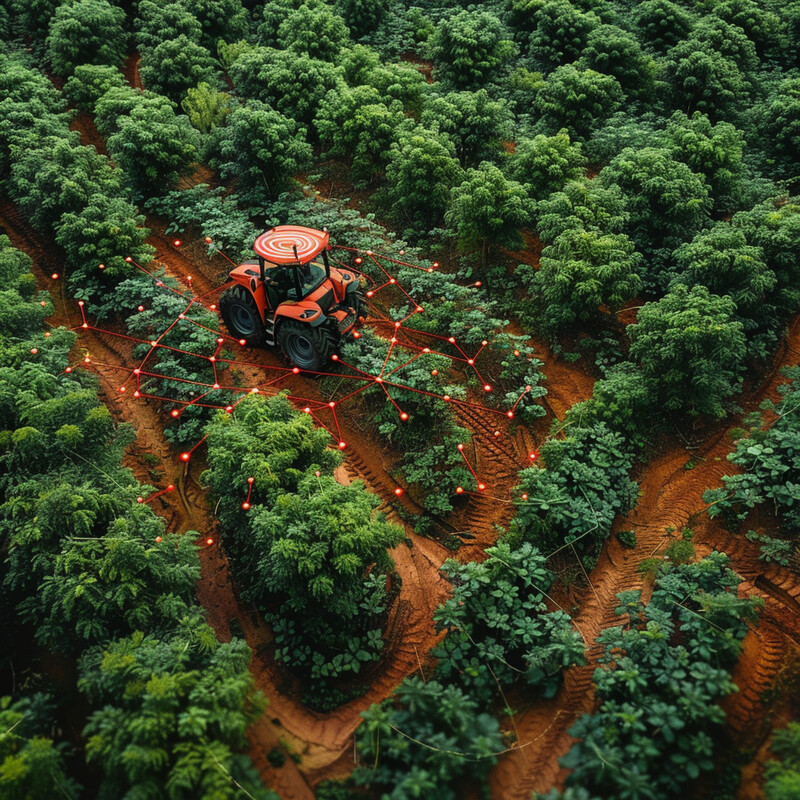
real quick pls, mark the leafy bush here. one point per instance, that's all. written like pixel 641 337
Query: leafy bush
pixel 89 82
pixel 582 487
pixel 457 741
pixel 545 163
pixel 176 65
pixel 782 775
pixel 313 29
pixel 497 627
pixel 646 736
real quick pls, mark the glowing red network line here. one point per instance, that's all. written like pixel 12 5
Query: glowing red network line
pixel 315 408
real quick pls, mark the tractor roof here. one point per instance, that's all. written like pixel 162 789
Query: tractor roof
pixel 278 245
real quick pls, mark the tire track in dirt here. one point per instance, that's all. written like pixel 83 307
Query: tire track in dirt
pixel 670 496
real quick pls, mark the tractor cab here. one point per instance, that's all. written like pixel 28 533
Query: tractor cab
pixel 290 296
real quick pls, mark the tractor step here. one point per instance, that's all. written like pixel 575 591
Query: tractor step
pixel 269 331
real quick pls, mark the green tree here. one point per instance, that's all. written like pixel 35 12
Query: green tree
pixel 760 23
pixel 291 83
pixel 176 65
pixel 106 231
pixel 779 119
pixel 667 204
pixel 713 151
pixel 356 123
pixel 219 19
pixel 663 23
pixel 691 346
pixel 118 102
pixel 561 33
pixel 362 16
pixel 581 204
pixel 154 147
pixel 582 271
pixel 613 51
pixel 470 48
pixel 262 150
pixel 422 169
pixel 475 123
pixel 488 210
pixel 206 107
pixel 89 82
pixel 720 259
pixel 86 32
pixel 59 176
pixel 578 100
pixel 544 164
pixel 159 21
pixel 314 30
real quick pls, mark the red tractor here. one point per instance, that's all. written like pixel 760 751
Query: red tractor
pixel 292 297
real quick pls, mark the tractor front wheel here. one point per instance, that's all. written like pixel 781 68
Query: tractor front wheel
pixel 306 347
pixel 240 313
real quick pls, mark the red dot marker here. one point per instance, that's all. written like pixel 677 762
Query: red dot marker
pixel 140 499
pixel 229 409
pixel 242 342
pixel 250 480
pixel 481 487
pixel 525 496
pixel 487 387
pixel 460 446
pixel 245 505
pixel 398 491
pixel 342 445
pixel 209 541
pixel 158 539
pixel 207 239
pixel 175 412
pixel 403 416
pixel 510 414
pixel 177 243
pixel 101 266
pixel 459 489
pixel 34 350
pixel 128 259
pixel 296 370
pixel 54 276
pixel 140 308
pixel 185 456
pixel 171 487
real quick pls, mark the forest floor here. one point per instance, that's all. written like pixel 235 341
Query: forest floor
pixel 672 484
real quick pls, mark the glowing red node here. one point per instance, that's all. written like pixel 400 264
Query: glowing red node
pixel 397 324
pixel 307 410
pixel 128 259
pixel 392 281
pixel 171 487
pixel 68 369
pixel 140 499
pixel 487 387
pixel 398 491
pixel 101 266
pixel 185 456
pixel 534 455
pixel 332 404
pixel 393 340
pixel 510 414
pixel 426 349
pixel 207 239
pixel 434 372
pixel 86 360
pixel 229 409
pixel 459 489
pixel 403 415
pixel 175 412
pixel 369 252
pixel 318 473
pixel 212 359
pixel 356 335
pixel 478 283
pixel 158 539
pixel 430 269
pixel 497 433
pixel 213 307
pixel 525 496
pixel 140 308
pixel 81 303
pixel 245 505
pixel 516 352
pixel 220 340
pixel 122 389
pixel 43 303
pixel 85 325
pixel 446 398
pixel 137 371
pixel 481 487
pixel 342 445
pixel 177 243
pixel 460 446
pixel 359 260
pixel 484 342
pixel 136 393
pixel 451 340
pixel 242 342
pixel 34 350
pixel 470 361
pixel 435 264
pixel 402 252
pixel 209 541
pixel 295 370
pixel 379 379
pixel 54 276
pixel 215 386
pixel 369 294
pixel 254 390
pixel 181 316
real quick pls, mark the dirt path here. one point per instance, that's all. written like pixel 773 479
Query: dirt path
pixel 670 497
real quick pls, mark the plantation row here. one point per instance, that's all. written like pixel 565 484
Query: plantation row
pixel 681 213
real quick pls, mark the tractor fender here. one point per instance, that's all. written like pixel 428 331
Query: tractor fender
pixel 300 312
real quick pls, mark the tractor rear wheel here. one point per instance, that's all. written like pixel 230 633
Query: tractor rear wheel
pixel 240 313
pixel 304 346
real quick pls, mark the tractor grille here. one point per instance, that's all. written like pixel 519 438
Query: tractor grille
pixel 347 322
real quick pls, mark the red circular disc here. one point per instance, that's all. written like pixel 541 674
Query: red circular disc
pixel 278 244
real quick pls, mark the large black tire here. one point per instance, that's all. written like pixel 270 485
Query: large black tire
pixel 240 313
pixel 306 347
